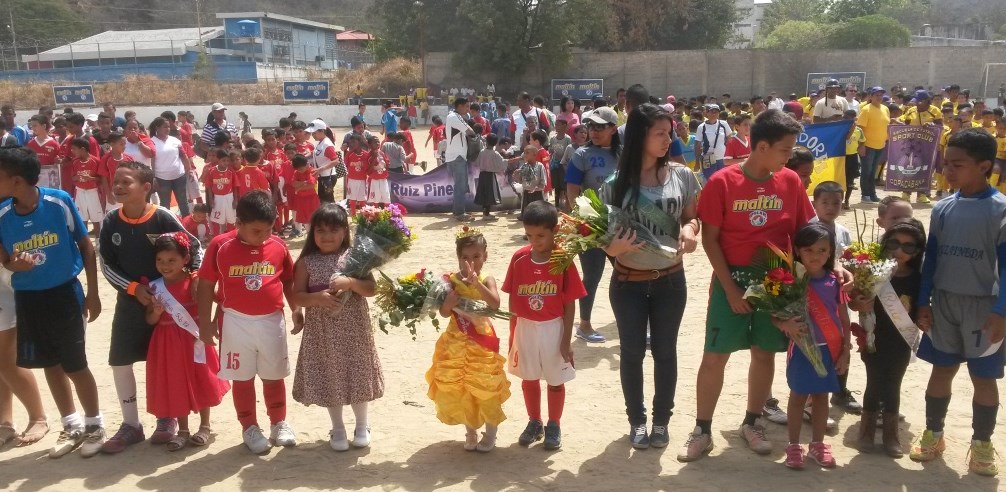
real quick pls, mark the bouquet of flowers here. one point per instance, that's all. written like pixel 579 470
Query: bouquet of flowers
pixel 780 289
pixel 594 224
pixel 469 307
pixel 870 269
pixel 401 301
pixel 381 236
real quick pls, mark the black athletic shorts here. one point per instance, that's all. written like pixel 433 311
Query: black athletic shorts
pixel 130 332
pixel 50 327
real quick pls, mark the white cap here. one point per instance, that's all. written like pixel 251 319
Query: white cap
pixel 317 125
pixel 218 107
pixel 603 116
pixel 92 117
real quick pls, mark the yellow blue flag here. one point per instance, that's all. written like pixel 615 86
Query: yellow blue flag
pixel 826 142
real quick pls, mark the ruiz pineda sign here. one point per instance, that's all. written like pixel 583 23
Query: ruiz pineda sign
pixel 305 91
pixel 69 95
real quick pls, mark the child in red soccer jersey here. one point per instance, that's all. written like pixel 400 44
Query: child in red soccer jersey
pixel 357 167
pixel 74 129
pixel 274 158
pixel 408 144
pixel 110 162
pixel 251 177
pixel 85 181
pixel 302 139
pixel 181 369
pixel 221 189
pixel 378 188
pixel 198 223
pixel 254 271
pixel 542 327
pixel 305 193
pixel 47 149
pixel 437 133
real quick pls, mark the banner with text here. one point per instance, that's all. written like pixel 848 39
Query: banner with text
pixel 433 192
pixel 305 91
pixel 817 81
pixel 826 142
pixel 911 157
pixel 70 95
pixel 577 88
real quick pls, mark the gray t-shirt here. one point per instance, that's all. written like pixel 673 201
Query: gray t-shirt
pixel 591 166
pixel 965 235
pixel 680 190
pixel 395 153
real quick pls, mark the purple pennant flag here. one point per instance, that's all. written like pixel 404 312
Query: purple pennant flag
pixel 911 157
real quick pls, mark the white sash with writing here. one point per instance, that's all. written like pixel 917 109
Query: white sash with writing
pixel 895 310
pixel 181 316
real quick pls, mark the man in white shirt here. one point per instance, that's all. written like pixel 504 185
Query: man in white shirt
pixel 832 106
pixel 711 142
pixel 456 154
pixel 850 97
pixel 525 110
pixel 775 102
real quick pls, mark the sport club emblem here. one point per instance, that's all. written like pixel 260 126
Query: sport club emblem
pixel 536 302
pixel 758 218
pixel 253 282
pixel 117 239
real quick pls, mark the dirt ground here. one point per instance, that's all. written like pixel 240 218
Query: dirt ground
pixel 412 450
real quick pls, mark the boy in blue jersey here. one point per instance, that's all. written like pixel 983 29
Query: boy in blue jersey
pixel 44 242
pixel 962 308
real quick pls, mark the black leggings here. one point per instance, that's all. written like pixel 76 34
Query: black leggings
pixel 885 369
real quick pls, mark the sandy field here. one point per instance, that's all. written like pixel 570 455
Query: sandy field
pixel 412 450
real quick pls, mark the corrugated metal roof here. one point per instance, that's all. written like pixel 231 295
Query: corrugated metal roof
pixel 354 36
pixel 125 44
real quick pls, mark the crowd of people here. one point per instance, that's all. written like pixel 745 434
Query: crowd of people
pixel 721 172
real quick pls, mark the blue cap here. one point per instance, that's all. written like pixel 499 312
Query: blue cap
pixel 920 95
pixel 876 89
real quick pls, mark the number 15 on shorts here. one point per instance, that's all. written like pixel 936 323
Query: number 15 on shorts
pixel 233 361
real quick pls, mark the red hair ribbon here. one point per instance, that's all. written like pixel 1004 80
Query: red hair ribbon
pixel 180 237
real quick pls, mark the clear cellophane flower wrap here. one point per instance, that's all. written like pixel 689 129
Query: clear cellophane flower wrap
pixel 381 236
pixel 437 294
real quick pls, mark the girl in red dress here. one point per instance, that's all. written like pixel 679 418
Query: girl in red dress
pixel 181 370
pixel 305 186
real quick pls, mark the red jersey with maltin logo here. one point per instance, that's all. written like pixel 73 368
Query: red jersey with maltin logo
pixel 751 214
pixel 535 293
pixel 219 182
pixel 86 171
pixel 47 151
pixel 249 278
pixel 357 165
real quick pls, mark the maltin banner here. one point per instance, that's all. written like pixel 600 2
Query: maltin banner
pixel 911 157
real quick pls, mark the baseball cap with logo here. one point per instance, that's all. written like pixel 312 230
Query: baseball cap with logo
pixel 316 125
pixel 603 116
pixel 218 107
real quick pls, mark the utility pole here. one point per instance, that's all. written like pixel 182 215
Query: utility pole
pixel 422 37
pixel 13 35
pixel 199 23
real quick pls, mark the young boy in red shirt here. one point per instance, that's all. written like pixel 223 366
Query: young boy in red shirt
pixel 198 223
pixel 74 129
pixel 357 168
pixel 251 177
pixel 280 170
pixel 254 271
pixel 47 149
pixel 301 139
pixel 221 192
pixel 378 188
pixel 541 329
pixel 408 144
pixel 115 156
pixel 85 181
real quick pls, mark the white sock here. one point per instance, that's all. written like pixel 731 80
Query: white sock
pixel 360 411
pixel 491 431
pixel 336 415
pixel 125 388
pixel 73 422
pixel 98 421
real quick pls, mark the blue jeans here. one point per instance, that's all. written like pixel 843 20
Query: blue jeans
pixel 868 173
pixel 660 304
pixel 177 186
pixel 711 170
pixel 459 171
pixel 592 263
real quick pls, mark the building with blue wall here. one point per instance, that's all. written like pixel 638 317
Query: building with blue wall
pixel 270 38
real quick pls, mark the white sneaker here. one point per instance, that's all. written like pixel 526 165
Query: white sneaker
pixel 337 440
pixel 361 440
pixel 67 441
pixel 256 441
pixel 830 426
pixel 773 413
pixel 755 437
pixel 282 435
pixel 93 441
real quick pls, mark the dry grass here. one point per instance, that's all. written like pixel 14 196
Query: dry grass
pixel 390 78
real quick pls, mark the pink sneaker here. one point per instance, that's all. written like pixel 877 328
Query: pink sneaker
pixel 794 456
pixel 821 453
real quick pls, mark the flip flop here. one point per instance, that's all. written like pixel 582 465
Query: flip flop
pixel 178 441
pixel 7 434
pixel 37 429
pixel 202 437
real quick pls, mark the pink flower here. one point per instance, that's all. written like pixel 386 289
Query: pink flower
pixel 584 229
pixel 863 257
pixel 780 275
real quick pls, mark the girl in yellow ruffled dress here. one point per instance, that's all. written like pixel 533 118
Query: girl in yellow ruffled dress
pixel 467 381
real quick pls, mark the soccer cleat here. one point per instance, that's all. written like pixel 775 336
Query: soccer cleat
pixel 929 447
pixel 533 432
pixel 982 459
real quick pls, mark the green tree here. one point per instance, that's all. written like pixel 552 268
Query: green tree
pixel 701 24
pixel 43 22
pixel 637 25
pixel 798 35
pixel 780 11
pixel 871 31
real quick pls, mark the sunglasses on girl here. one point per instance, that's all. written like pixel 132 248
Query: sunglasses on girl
pixel 908 248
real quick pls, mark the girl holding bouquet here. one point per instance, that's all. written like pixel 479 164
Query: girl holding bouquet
pixel 885 368
pixel 828 322
pixel 648 290
pixel 467 380
pixel 338 363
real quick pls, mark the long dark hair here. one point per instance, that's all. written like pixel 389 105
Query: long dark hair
pixel 154 125
pixel 630 164
pixel 811 233
pixel 910 227
pixel 331 215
